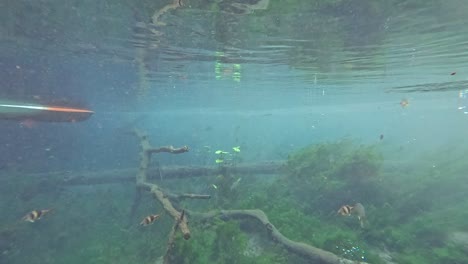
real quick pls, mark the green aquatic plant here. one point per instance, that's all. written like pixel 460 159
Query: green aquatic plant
pixel 329 233
pixel 360 163
pixel 221 157
pixel 328 174
pixel 230 243
pixel 236 156
pixel 227 158
pixel 220 242
pixel 343 160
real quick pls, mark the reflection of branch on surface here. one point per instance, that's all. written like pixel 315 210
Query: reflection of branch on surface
pixel 155 18
pixel 311 253
pixel 145 46
pixel 250 8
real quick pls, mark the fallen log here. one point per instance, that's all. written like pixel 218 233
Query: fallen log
pixel 173 172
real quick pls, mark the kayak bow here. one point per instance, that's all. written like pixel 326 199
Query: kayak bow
pixel 24 111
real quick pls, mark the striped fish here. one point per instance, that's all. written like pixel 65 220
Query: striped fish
pixel 358 210
pixel 149 220
pixel 35 215
pixel 345 210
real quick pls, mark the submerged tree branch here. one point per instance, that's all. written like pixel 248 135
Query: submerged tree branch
pixel 181 222
pixel 309 252
pixel 168 149
pixel 158 193
pixel 170 244
pixel 173 172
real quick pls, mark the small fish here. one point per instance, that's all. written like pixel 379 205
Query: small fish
pixel 214 186
pixel 358 210
pixel 404 103
pixel 453 73
pixel 236 149
pixel 149 219
pixel 235 184
pixel 345 210
pixel 35 215
pixel 381 136
pixel 219 161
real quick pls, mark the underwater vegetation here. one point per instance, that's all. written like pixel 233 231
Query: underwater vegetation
pixel 404 224
pixel 329 174
pixel 223 242
pixel 280 201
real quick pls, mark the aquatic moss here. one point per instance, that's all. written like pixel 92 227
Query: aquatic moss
pixel 329 174
pixel 343 159
pixel 222 242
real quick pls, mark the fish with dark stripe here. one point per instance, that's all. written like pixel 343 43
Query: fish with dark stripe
pixel 345 210
pixel 149 219
pixel 358 210
pixel 35 215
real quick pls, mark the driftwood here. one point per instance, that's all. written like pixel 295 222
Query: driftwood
pixel 68 178
pixel 168 149
pixel 180 218
pixel 309 252
pixel 173 172
pixel 142 181
pixel 178 197
pixel 171 241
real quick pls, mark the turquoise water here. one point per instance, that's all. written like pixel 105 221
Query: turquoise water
pixel 329 89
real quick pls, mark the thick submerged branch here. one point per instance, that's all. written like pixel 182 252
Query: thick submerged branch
pixel 159 194
pixel 309 252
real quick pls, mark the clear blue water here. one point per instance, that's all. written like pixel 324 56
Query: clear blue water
pixel 271 81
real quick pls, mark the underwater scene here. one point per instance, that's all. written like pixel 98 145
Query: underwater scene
pixel 234 131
